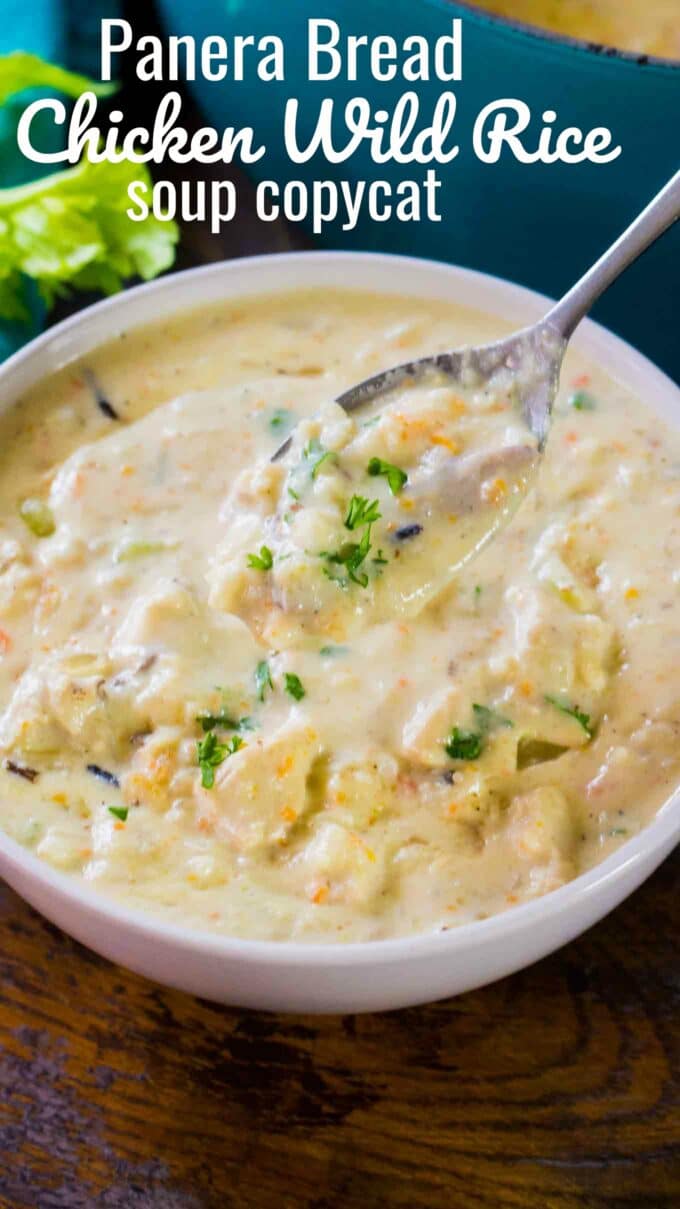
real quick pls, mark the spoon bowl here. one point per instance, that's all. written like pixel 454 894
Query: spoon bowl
pixel 522 370
pixel 530 360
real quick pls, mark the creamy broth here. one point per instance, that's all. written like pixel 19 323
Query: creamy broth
pixel 205 715
pixel 646 26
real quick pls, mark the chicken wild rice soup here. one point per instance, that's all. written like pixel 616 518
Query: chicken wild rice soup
pixel 650 27
pixel 223 696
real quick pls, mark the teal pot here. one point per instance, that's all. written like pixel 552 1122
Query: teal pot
pixel 540 225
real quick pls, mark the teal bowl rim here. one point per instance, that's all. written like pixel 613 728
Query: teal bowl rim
pixel 535 32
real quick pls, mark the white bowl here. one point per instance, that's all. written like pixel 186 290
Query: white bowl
pixel 317 977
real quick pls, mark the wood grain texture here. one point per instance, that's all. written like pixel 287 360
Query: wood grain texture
pixel 557 1087
pixel 554 1089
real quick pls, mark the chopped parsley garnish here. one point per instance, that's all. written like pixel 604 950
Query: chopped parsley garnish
pixel 263 679
pixel 211 754
pixel 469 744
pixel 351 555
pixel 329 652
pixel 281 420
pixel 396 478
pixel 224 721
pixel 293 494
pixel 294 685
pixel 573 711
pixel 119 812
pixel 314 449
pixel 489 719
pixel 329 453
pixel 464 744
pixel 361 512
pixel 262 561
pixel 581 400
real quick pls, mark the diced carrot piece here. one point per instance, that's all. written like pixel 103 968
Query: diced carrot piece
pixel 285 766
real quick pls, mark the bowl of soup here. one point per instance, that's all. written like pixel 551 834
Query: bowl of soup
pixel 233 756
pixel 590 65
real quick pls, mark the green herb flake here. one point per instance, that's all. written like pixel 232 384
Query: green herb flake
pixel 281 420
pixel 312 448
pixel 119 812
pixel 396 478
pixel 263 679
pixel 581 400
pixel 361 512
pixel 38 516
pixel 263 561
pixel 294 686
pixel 329 454
pixel 223 721
pixel 210 754
pixel 464 744
pixel 331 652
pixel 351 555
pixel 572 711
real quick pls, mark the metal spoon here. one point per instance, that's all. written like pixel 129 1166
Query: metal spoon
pixel 525 367
pixel 533 355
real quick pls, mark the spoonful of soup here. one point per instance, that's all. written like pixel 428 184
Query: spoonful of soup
pixel 374 504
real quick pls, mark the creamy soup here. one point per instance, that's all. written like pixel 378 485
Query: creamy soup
pixel 646 26
pixel 218 700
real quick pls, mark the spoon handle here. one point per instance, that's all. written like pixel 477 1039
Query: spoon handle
pixel 656 218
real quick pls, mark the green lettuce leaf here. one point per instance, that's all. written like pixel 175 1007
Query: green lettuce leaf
pixel 20 70
pixel 71 231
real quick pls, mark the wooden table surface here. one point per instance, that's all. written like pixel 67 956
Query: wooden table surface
pixel 556 1088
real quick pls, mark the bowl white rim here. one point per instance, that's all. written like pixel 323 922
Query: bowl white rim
pixel 653 842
